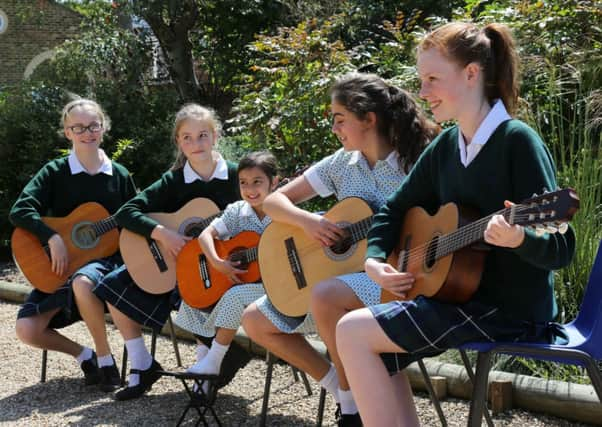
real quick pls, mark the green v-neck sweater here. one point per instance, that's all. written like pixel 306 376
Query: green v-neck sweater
pixel 512 165
pixel 169 193
pixel 55 192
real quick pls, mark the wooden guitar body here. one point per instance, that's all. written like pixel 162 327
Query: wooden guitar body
pixel 200 284
pixel 452 278
pixel 83 239
pixel 291 262
pixel 151 266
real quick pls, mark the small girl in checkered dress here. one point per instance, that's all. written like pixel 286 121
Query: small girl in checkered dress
pixel 199 171
pixel 257 176
pixel 382 131
pixel 469 75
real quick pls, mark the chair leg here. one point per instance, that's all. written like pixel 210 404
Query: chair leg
pixel 124 365
pixel 478 404
pixel 431 391
pixel 266 391
pixel 174 341
pixel 471 376
pixel 321 405
pixel 595 377
pixel 153 343
pixel 44 362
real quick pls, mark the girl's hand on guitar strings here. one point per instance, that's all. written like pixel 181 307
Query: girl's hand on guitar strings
pixel 500 233
pixel 321 229
pixel 228 269
pixel 389 278
pixel 58 255
pixel 171 240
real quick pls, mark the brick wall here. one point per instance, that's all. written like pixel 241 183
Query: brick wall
pixel 34 27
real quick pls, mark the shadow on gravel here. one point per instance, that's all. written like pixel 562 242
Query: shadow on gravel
pixel 82 405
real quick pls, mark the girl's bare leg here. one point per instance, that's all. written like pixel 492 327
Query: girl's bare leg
pixel 360 340
pixel 93 312
pixel 330 301
pixel 34 331
pixel 292 348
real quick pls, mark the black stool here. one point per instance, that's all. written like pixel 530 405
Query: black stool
pixel 199 400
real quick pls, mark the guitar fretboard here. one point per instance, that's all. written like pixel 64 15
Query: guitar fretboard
pixel 469 234
pixel 104 225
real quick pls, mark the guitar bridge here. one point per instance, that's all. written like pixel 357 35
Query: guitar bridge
pixel 204 271
pixel 295 263
pixel 157 255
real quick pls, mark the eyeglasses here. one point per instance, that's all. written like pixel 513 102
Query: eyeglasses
pixel 92 128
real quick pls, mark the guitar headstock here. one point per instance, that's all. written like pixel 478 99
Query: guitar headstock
pixel 548 212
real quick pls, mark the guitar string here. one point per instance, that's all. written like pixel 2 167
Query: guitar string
pixel 461 235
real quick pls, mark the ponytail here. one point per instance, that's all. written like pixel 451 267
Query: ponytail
pixel 409 129
pixel 501 74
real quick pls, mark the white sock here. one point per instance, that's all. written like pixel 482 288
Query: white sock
pixel 140 358
pixel 201 351
pixel 84 355
pixel 330 382
pixel 105 360
pixel 212 362
pixel 348 405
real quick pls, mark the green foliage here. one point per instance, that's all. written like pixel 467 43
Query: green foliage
pixel 29 121
pixel 283 106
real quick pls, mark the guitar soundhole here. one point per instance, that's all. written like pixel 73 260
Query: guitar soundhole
pixel 83 235
pixel 238 255
pixel 431 253
pixel 193 230
pixel 342 246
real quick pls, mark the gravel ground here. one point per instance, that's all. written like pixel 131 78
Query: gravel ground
pixel 64 400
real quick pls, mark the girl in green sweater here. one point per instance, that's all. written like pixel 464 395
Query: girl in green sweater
pixel 199 171
pixel 86 175
pixel 487 159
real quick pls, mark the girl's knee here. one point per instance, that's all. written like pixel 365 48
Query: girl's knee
pixel 82 285
pixel 27 330
pixel 326 294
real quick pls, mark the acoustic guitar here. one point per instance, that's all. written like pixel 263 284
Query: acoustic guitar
pixel 151 266
pixel 200 284
pixel 440 250
pixel 291 262
pixel 89 233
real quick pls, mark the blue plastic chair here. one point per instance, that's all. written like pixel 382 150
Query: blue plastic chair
pixel 584 346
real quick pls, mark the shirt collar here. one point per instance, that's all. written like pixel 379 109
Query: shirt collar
pixel 220 172
pixel 392 159
pixel 76 166
pixel 496 116
pixel 246 210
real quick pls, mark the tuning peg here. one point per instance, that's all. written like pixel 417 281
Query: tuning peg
pixel 539 231
pixel 562 228
pixel 551 229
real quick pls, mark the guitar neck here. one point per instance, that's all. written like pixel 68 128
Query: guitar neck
pixel 359 230
pixel 470 233
pixel 105 225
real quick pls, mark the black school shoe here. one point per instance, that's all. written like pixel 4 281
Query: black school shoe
pixel 90 368
pixel 147 378
pixel 109 377
pixel 347 420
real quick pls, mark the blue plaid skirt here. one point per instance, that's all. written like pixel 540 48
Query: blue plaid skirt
pixel 425 327
pixel 40 302
pixel 119 290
